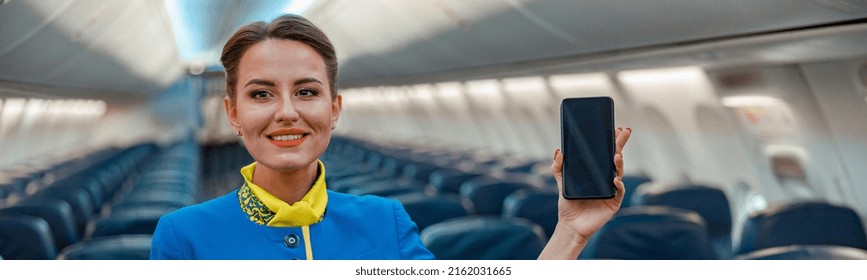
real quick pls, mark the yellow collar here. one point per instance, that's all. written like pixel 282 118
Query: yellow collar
pixel 265 209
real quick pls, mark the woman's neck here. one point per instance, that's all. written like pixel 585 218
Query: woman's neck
pixel 288 186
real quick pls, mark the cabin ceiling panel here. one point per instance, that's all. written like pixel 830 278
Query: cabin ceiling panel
pixel 128 46
pixel 376 46
pixel 122 47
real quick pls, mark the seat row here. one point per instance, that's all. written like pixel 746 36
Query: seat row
pixel 662 216
pixel 113 201
pixel 470 207
pixel 52 207
pixel 465 206
pixel 440 187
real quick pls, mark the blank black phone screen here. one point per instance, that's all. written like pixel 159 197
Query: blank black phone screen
pixel 587 131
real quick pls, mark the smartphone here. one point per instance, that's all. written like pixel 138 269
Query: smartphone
pixel 587 141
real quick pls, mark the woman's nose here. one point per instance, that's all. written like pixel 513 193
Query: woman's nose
pixel 286 111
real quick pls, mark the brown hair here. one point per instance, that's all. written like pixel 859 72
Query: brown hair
pixel 286 27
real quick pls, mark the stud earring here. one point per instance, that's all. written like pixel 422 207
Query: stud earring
pixel 239 133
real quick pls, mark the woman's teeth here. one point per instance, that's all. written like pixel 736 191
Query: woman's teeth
pixel 287 137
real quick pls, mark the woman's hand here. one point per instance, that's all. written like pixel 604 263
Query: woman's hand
pixel 579 219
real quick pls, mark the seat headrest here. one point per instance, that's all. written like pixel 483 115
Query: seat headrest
pixel 652 232
pixel 816 223
pixel 120 247
pixel 450 180
pixel 139 220
pixel 806 252
pixel 538 207
pixel 25 237
pixel 487 193
pixel 426 211
pixel 484 238
pixel 709 202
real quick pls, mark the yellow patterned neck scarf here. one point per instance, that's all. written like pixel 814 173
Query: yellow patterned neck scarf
pixel 265 209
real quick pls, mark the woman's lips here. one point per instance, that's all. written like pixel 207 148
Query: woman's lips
pixel 287 137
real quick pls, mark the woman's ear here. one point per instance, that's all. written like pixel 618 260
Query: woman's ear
pixel 232 114
pixel 336 107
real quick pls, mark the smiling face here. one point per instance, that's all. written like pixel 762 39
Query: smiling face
pixel 283 105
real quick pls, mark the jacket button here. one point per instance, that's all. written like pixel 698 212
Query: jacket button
pixel 291 241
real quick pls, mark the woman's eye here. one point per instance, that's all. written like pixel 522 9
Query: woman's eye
pixel 306 92
pixel 259 94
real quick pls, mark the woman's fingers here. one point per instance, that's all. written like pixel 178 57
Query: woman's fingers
pixel 621 189
pixel 618 164
pixel 557 169
pixel 621 136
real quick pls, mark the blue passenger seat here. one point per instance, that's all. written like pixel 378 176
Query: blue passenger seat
pixel 142 220
pixel 15 185
pixel 5 191
pixel 386 187
pixel 806 252
pixel 169 197
pixel 486 194
pixel 419 171
pixel 360 181
pixel 91 184
pixel 802 223
pixel 78 198
pixel 709 202
pixel 651 233
pixel 449 180
pixel 426 211
pixel 484 238
pixel 25 237
pixel 57 213
pixel 631 184
pixel 119 247
pixel 535 206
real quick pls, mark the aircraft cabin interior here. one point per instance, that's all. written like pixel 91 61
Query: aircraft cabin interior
pixel 748 119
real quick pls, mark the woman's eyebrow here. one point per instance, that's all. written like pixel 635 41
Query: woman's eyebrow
pixel 260 82
pixel 308 80
pixel 270 83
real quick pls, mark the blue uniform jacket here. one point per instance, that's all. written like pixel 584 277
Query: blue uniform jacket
pixel 354 228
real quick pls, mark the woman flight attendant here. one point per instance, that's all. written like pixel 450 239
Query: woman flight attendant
pixel 282 100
